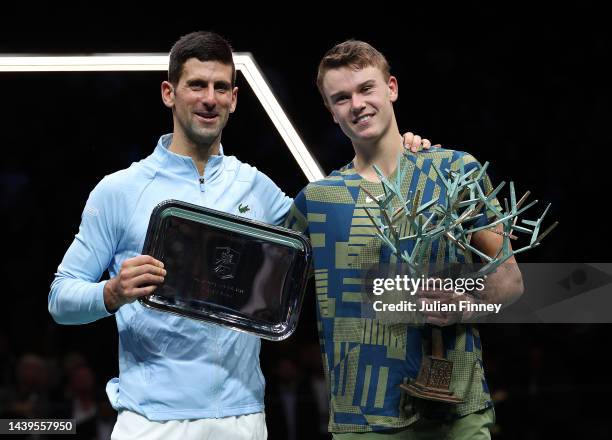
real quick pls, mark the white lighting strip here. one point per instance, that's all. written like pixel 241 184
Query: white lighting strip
pixel 87 63
pixel 159 62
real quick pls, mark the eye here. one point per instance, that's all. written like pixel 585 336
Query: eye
pixel 340 99
pixel 222 87
pixel 195 86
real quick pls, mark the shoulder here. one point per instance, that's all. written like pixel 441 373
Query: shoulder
pixel 336 179
pixel 442 153
pixel 340 187
pixel 465 157
pixel 238 169
pixel 126 184
pixel 455 155
pixel 244 172
pixel 454 158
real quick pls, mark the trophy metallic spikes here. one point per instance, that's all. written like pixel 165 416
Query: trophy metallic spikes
pixel 450 220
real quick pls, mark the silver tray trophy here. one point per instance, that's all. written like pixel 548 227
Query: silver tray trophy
pixel 228 270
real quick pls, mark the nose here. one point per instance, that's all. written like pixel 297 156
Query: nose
pixel 208 97
pixel 357 103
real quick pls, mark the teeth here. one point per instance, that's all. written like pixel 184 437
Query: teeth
pixel 362 118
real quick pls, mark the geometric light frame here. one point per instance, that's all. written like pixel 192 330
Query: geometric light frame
pixel 245 64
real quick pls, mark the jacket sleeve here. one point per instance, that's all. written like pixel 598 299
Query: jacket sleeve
pixel 76 295
pixel 277 203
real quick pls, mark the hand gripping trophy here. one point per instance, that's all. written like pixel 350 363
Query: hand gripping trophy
pixel 448 218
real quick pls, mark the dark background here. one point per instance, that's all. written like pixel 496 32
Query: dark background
pixel 529 92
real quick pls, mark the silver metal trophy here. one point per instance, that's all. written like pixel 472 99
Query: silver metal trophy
pixel 228 270
pixel 451 221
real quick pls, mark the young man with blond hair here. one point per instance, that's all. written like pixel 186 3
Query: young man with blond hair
pixel 365 360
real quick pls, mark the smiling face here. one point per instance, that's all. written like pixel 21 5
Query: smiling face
pixel 201 101
pixel 361 102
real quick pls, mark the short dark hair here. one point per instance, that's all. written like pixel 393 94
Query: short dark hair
pixel 204 46
pixel 353 54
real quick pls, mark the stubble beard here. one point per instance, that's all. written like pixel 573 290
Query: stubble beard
pixel 200 138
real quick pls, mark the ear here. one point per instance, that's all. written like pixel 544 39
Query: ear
pixel 234 99
pixel 167 94
pixel 393 89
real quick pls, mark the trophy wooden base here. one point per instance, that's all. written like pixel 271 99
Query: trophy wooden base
pixel 433 381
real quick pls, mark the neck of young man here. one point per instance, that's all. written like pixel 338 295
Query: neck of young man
pixel 382 152
pixel 199 153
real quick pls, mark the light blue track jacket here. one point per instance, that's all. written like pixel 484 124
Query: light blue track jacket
pixel 170 368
